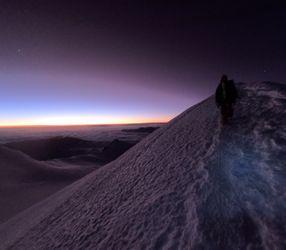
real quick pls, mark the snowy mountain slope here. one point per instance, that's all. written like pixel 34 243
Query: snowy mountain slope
pixel 25 181
pixel 189 185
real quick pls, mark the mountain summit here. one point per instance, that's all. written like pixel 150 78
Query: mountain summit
pixel 191 184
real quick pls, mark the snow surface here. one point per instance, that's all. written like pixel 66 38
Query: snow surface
pixel 189 185
pixel 25 181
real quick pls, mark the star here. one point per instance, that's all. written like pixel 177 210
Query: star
pixel 19 52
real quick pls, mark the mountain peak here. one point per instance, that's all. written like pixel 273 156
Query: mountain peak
pixel 190 184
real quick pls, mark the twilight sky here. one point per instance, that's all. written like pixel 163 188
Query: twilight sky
pixel 74 62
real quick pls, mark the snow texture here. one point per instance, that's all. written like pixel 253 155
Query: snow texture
pixel 189 185
pixel 25 181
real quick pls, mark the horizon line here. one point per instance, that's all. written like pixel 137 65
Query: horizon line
pixel 78 125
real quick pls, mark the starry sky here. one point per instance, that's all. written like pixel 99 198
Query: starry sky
pixel 85 62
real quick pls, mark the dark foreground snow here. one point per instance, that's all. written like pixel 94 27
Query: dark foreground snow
pixel 189 185
pixel 25 181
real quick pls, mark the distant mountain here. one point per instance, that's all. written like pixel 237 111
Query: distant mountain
pixel 31 170
pixel 25 181
pixel 189 185
pixel 115 149
pixel 56 147
pixel 141 130
pixel 71 148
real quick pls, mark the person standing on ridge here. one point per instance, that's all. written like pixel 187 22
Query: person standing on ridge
pixel 226 95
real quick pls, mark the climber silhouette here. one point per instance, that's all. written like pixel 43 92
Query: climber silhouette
pixel 226 95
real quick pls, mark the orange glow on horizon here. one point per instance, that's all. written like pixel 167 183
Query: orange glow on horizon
pixel 82 120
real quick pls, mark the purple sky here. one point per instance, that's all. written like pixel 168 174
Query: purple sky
pixel 84 61
pixel 44 98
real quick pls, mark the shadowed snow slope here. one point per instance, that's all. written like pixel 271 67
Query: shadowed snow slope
pixel 190 184
pixel 25 181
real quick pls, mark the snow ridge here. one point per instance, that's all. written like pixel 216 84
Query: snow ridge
pixel 189 185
